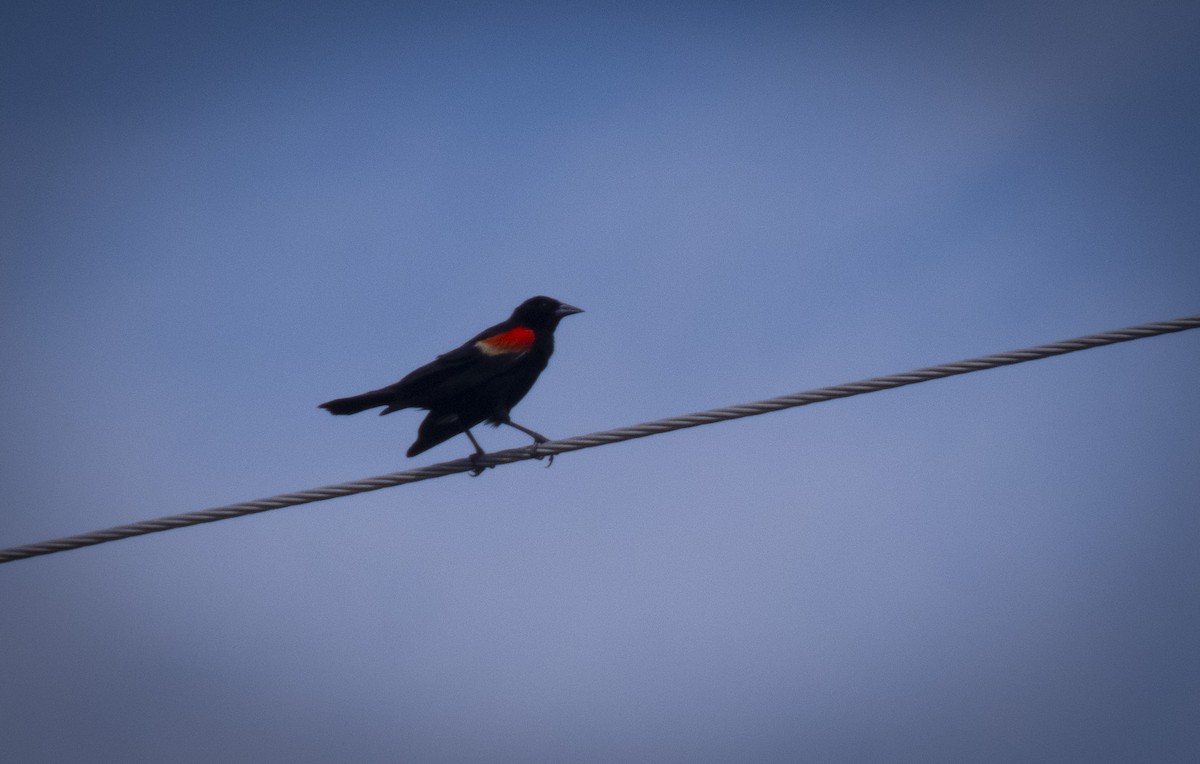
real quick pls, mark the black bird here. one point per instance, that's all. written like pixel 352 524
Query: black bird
pixel 480 381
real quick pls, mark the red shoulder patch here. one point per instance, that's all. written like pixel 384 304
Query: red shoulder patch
pixel 516 340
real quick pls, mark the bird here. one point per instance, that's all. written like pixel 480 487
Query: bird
pixel 479 381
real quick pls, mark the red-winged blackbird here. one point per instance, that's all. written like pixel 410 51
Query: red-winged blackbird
pixel 480 381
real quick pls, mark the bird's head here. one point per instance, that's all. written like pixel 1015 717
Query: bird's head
pixel 543 312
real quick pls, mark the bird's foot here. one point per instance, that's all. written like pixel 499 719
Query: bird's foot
pixel 537 441
pixel 477 468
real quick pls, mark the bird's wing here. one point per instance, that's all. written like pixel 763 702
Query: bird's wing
pixel 489 354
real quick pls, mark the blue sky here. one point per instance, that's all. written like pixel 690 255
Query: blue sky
pixel 215 218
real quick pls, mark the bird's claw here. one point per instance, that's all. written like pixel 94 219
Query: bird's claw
pixel 477 468
pixel 536 455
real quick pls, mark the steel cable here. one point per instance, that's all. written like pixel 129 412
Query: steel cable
pixel 602 438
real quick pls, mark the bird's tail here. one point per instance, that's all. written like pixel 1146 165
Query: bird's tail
pixel 357 403
pixel 437 427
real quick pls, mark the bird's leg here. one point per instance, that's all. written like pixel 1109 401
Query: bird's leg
pixel 537 436
pixel 538 439
pixel 478 470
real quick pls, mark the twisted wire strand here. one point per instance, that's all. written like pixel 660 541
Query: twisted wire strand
pixel 605 437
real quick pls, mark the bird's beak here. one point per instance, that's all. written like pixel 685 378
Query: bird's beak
pixel 566 310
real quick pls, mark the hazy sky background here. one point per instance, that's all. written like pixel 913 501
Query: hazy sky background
pixel 215 217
